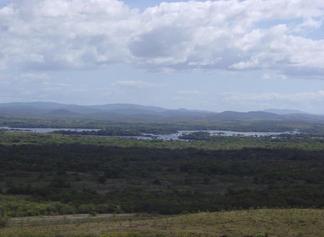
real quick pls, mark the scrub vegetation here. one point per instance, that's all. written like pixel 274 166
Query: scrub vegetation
pixel 224 186
pixel 56 174
pixel 248 223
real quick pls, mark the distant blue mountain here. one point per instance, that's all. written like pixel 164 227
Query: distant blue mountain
pixel 134 112
pixel 284 111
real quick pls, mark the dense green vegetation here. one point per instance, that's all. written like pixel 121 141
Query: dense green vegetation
pixel 216 143
pixel 60 174
pixel 107 127
pixel 70 176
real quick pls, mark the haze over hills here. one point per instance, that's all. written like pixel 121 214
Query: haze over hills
pixel 284 111
pixel 133 112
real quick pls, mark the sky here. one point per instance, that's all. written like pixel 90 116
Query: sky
pixel 219 55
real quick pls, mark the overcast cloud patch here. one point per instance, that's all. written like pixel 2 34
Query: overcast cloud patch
pixel 226 35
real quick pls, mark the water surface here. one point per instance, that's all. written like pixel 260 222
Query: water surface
pixel 164 137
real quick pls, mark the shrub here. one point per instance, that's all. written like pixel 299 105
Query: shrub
pixel 3 222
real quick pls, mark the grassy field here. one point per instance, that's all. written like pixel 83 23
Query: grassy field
pixel 248 223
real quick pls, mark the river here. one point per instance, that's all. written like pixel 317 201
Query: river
pixel 164 137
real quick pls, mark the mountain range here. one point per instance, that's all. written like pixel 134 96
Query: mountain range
pixel 138 113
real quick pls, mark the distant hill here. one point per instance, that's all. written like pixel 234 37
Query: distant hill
pixel 62 113
pixel 108 111
pixel 141 113
pixel 252 115
pixel 284 111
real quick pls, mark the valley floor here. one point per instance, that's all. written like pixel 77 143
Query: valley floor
pixel 247 223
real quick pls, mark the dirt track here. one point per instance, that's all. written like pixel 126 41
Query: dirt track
pixel 66 219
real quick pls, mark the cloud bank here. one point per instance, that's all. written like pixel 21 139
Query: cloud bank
pixel 277 35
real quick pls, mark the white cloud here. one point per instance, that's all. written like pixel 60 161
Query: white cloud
pixel 224 34
pixel 137 84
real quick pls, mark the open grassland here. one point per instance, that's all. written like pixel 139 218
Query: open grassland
pixel 218 143
pixel 253 223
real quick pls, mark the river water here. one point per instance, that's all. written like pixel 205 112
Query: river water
pixel 165 137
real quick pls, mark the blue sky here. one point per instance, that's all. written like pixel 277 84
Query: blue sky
pixel 213 55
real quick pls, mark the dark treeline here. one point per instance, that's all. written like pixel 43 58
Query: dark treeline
pixel 87 178
pixel 102 132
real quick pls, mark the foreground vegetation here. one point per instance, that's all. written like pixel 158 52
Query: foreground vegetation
pixel 54 178
pixel 55 174
pixel 249 223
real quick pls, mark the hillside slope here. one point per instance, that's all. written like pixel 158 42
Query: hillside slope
pixel 252 223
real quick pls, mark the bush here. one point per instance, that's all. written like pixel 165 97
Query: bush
pixel 3 222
